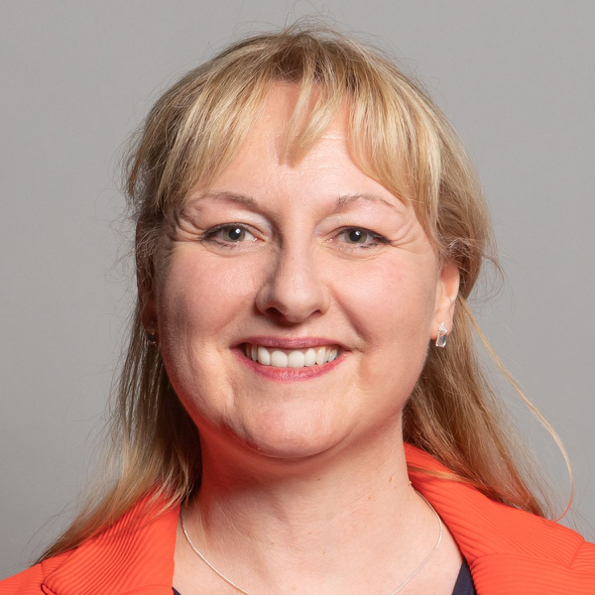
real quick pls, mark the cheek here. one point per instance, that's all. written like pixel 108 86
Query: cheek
pixel 391 307
pixel 200 295
pixel 385 300
pixel 199 304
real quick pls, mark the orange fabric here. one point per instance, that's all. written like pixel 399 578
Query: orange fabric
pixel 509 551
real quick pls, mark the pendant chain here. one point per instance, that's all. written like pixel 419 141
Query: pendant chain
pixel 230 582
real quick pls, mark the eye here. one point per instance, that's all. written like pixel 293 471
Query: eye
pixel 234 234
pixel 360 236
pixel 230 233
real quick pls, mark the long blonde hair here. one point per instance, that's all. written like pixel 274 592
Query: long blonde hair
pixel 399 138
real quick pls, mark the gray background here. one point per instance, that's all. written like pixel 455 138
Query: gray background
pixel 515 78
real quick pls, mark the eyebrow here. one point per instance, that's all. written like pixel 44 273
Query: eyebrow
pixel 251 202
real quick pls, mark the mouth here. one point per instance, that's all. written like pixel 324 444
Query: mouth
pixel 291 358
pixel 288 365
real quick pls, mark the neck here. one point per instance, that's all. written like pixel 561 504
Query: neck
pixel 286 522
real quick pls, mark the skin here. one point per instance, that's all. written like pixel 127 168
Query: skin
pixel 305 485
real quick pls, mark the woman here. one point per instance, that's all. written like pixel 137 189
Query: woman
pixel 301 409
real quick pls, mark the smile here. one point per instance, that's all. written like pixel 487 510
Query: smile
pixel 291 358
pixel 281 365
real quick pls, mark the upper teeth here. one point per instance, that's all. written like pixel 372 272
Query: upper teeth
pixel 291 358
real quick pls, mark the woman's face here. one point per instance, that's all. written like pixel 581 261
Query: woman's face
pixel 291 262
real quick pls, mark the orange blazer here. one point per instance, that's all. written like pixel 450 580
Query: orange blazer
pixel 509 551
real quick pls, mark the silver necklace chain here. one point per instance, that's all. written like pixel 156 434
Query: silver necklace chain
pixel 230 582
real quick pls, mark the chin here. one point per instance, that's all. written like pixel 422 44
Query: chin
pixel 285 435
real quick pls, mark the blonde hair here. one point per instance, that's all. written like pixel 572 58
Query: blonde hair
pixel 399 138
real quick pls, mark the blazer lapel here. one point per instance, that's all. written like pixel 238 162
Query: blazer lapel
pixel 509 551
pixel 135 555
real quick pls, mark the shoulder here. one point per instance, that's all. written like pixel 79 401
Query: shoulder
pixel 29 581
pixel 136 553
pixel 508 550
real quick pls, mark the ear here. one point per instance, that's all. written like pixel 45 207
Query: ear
pixel 145 285
pixel 447 289
pixel 147 302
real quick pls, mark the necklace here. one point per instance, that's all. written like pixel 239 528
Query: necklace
pixel 230 582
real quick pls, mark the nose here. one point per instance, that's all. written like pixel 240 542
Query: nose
pixel 293 290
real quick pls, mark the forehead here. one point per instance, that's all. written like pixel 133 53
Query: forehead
pixel 261 160
pixel 325 174
pixel 274 118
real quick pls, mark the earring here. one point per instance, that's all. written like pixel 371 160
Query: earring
pixel 442 336
pixel 151 333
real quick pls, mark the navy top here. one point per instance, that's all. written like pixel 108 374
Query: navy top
pixel 463 586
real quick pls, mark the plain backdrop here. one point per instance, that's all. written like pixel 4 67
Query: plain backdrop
pixel 516 78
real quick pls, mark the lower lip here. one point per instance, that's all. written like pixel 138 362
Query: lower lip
pixel 288 374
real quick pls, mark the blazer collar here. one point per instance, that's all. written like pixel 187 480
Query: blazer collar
pixel 508 550
pixel 134 555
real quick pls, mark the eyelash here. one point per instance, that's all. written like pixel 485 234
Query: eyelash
pixel 210 234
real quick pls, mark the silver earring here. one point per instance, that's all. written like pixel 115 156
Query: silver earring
pixel 151 334
pixel 442 336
